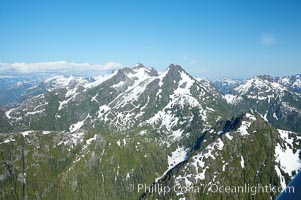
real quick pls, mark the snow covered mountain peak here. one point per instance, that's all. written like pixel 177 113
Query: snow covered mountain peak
pixel 60 81
pixel 138 65
pixel 181 126
pixel 261 84
pixel 175 68
pixel 139 71
pixel 173 74
pixel 56 82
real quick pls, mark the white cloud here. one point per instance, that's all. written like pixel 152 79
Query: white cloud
pixel 267 39
pixel 55 66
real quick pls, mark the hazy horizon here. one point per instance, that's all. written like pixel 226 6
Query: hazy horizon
pixel 25 70
pixel 211 39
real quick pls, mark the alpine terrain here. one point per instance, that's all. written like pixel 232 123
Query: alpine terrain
pixel 140 134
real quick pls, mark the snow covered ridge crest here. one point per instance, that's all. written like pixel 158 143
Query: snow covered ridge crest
pixel 131 92
pixel 261 88
pixel 123 98
pixel 170 111
pixel 268 83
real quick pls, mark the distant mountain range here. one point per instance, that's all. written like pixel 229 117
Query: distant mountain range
pixel 87 138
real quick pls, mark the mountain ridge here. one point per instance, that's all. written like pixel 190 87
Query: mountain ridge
pixel 135 125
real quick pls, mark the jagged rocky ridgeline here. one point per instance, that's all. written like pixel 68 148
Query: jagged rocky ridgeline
pixel 92 137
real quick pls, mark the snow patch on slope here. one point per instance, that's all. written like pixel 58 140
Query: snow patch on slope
pixel 242 162
pixel 243 129
pixel 78 125
pixel 8 141
pixel 178 156
pixel 232 99
pixel 288 159
pixel 100 79
pixel 184 85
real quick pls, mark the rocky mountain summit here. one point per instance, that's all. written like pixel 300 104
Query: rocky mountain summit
pixel 87 138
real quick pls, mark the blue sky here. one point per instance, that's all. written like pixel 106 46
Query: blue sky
pixel 209 38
